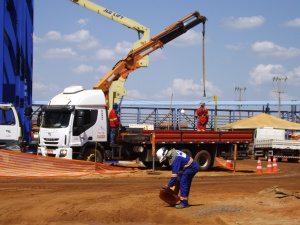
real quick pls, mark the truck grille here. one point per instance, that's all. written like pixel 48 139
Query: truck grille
pixel 51 141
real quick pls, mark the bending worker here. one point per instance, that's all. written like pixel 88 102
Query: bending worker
pixel 184 169
pixel 113 122
pixel 202 113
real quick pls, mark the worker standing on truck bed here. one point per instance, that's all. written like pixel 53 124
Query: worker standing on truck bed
pixel 114 122
pixel 184 169
pixel 202 113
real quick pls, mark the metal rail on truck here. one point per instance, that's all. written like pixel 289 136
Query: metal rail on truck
pixel 191 137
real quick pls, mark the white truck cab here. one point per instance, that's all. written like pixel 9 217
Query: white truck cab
pixel 10 128
pixel 72 123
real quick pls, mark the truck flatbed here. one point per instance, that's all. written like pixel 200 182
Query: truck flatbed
pixel 200 137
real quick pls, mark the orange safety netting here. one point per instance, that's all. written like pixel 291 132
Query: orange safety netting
pixel 15 164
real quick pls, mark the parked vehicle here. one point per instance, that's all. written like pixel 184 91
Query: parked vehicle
pixel 14 134
pixel 272 142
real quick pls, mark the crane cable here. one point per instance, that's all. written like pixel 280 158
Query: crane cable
pixel 203 33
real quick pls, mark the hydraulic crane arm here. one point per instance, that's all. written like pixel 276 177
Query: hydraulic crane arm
pixel 131 62
pixel 122 20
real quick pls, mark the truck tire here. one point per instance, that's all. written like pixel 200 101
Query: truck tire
pixel 293 160
pixel 203 158
pixel 149 164
pixel 188 152
pixel 89 155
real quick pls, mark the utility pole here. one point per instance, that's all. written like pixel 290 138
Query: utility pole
pixel 279 79
pixel 240 99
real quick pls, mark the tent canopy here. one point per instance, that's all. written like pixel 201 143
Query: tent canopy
pixel 261 121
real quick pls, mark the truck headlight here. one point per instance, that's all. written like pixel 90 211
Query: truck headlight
pixel 138 149
pixel 63 153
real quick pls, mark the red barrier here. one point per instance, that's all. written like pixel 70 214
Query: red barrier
pixel 15 164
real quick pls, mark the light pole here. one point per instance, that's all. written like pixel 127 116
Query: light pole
pixel 279 79
pixel 240 90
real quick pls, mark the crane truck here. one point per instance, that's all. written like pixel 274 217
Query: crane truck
pixel 75 122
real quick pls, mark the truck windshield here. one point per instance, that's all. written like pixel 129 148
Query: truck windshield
pixel 56 119
pixel 7 117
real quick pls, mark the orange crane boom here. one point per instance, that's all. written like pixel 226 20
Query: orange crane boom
pixel 131 61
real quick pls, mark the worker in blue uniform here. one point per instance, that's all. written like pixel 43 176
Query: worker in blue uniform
pixel 184 168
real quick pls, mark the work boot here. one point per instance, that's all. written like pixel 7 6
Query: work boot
pixel 180 206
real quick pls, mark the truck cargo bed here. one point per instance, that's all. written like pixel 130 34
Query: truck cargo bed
pixel 183 136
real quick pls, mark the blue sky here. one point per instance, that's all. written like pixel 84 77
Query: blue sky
pixel 248 43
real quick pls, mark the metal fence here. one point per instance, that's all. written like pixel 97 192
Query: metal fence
pixel 174 118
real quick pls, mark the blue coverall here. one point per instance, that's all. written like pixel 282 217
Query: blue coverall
pixel 183 162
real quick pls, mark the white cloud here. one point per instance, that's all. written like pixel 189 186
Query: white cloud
pixel 292 23
pixel 158 54
pixel 123 48
pixel 82 38
pixel 183 89
pixel 262 74
pixel 91 44
pixel 236 47
pixel 135 95
pixel 53 35
pixel 103 69
pixel 294 77
pixel 83 22
pixel 37 39
pixel 82 69
pixel 105 54
pixel 274 96
pixel 269 49
pixel 118 52
pixel 190 38
pixel 78 36
pixel 62 53
pixel 44 91
pixel 243 22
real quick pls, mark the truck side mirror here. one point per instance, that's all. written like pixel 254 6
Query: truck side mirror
pixel 80 119
pixel 28 111
pixel 38 121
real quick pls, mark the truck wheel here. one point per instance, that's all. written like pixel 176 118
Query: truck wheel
pixel 293 160
pixel 89 155
pixel 149 164
pixel 188 152
pixel 203 159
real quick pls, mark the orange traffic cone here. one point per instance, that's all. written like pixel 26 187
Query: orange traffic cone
pixel 275 167
pixel 259 168
pixel 228 164
pixel 269 166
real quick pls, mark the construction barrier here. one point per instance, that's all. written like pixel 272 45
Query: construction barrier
pixel 259 167
pixel 15 164
pixel 275 167
pixel 229 164
pixel 269 166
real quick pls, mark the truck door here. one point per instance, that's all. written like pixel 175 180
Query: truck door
pixel 9 126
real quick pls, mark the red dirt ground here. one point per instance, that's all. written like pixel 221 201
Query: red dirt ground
pixel 220 197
